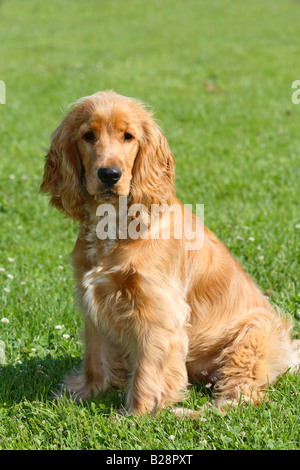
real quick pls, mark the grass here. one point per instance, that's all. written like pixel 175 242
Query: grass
pixel 219 77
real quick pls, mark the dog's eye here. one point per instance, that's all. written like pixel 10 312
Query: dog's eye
pixel 128 136
pixel 89 136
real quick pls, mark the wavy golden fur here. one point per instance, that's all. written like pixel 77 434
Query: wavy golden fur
pixel 157 316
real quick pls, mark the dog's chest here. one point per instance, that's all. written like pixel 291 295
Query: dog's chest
pixel 96 247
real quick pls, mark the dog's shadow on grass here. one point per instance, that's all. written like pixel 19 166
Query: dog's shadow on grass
pixel 33 378
pixel 39 379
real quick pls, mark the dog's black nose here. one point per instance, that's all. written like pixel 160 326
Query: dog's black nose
pixel 109 175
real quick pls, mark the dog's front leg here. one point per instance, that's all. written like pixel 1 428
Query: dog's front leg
pixel 101 368
pixel 159 376
pixel 148 317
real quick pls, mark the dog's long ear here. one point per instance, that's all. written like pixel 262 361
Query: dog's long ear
pixel 153 171
pixel 63 172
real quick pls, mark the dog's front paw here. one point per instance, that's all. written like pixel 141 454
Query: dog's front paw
pixel 77 388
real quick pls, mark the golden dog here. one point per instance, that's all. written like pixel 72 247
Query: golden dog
pixel 157 315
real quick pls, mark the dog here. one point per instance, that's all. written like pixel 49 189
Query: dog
pixel 158 316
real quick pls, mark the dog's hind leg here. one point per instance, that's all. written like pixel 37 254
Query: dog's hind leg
pixel 259 352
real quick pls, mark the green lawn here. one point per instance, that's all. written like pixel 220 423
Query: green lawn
pixel 218 74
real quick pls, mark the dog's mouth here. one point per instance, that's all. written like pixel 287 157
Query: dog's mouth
pixel 111 194
pixel 108 194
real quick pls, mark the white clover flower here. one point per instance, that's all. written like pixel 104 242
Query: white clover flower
pixel 10 276
pixel 251 239
pixel 11 260
pixel 172 437
pixel 4 320
pixel 66 336
pixel 58 327
pixel 6 289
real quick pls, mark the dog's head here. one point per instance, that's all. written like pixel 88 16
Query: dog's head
pixel 107 146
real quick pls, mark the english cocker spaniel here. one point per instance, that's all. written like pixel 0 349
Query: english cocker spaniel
pixel 158 311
